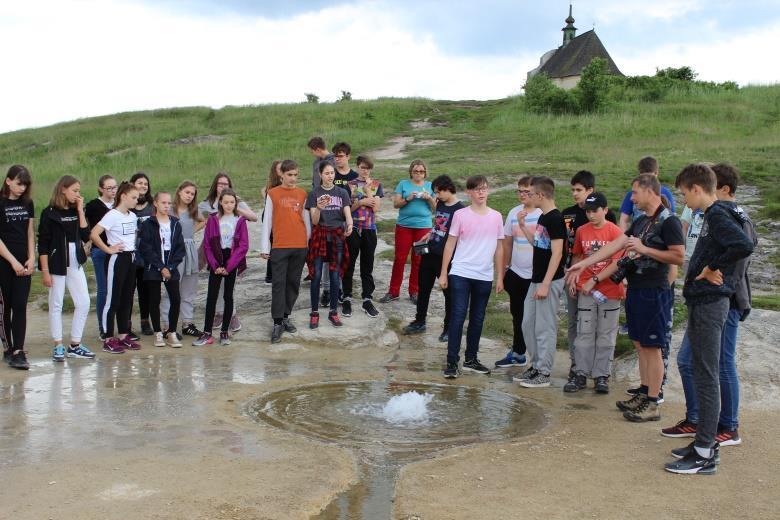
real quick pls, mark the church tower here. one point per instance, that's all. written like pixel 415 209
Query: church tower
pixel 569 32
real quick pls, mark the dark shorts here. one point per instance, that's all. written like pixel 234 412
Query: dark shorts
pixel 648 314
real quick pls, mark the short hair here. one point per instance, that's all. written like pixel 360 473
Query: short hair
pixel 21 174
pixel 726 175
pixel 102 180
pixel 364 159
pixel 697 174
pixel 289 165
pixel 58 199
pixel 316 143
pixel 443 183
pixel 585 178
pixel 525 180
pixel 475 181
pixel 417 162
pixel 544 185
pixel 648 181
pixel 648 164
pixel 341 147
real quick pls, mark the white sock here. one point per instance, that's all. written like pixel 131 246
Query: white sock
pixel 704 452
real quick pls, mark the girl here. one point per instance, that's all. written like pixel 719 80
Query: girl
pixel 274 180
pixel 209 206
pixel 95 210
pixel 162 247
pixel 61 236
pixel 120 225
pixel 330 209
pixel 142 210
pixel 225 243
pixel 17 251
pixel 186 210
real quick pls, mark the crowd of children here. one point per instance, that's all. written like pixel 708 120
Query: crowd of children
pixel 141 242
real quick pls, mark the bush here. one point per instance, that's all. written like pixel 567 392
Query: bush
pixel 312 98
pixel 346 95
pixel 592 90
pixel 542 96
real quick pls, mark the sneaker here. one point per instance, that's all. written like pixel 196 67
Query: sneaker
pixel 451 372
pixel 387 298
pixel 113 346
pixel 693 463
pixel 268 281
pixel 314 319
pixel 601 385
pixel 146 328
pixel 130 344
pixel 415 327
pixel 368 308
pixel 681 429
pixel 413 299
pixel 217 320
pixel 325 298
pixel 102 336
pixel 333 318
pixel 288 326
pixel 529 373
pixel 646 411
pixel 728 437
pixel 172 339
pixel 58 354
pixel 346 307
pixel 159 340
pixel 80 351
pixel 473 365
pixel 276 333
pixel 18 360
pixel 191 330
pixel 235 324
pixel 444 337
pixel 681 453
pixel 633 391
pixel 623 330
pixel 204 339
pixel 7 355
pixel 661 397
pixel 538 381
pixel 224 338
pixel 133 336
pixel 575 383
pixel 512 360
pixel 631 404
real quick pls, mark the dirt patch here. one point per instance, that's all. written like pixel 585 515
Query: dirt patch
pixel 199 139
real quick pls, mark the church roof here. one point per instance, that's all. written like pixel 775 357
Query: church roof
pixel 570 59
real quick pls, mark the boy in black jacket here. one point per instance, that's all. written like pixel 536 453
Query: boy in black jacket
pixel 709 284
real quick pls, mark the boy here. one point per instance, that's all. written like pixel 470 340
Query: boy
pixel 540 320
pixel 366 194
pixel 517 278
pixel 286 216
pixel 320 152
pixel 629 211
pixel 709 285
pixel 582 185
pixel 477 232
pixel 430 264
pixel 598 300
pixel 344 172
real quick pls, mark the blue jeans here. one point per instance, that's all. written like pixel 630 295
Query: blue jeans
pixel 729 380
pixel 320 266
pixel 461 291
pixel 99 259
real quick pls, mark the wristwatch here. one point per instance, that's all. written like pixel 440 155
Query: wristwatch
pixel 595 278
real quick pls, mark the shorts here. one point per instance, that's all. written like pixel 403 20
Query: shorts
pixel 648 314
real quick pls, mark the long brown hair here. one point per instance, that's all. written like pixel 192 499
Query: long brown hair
pixel 212 196
pixel 22 174
pixel 227 192
pixel 192 207
pixel 58 199
pixel 273 178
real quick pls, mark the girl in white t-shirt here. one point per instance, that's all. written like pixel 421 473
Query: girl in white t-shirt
pixel 120 225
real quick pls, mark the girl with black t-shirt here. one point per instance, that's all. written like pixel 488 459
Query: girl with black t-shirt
pixel 95 210
pixel 143 210
pixel 17 261
pixel 61 235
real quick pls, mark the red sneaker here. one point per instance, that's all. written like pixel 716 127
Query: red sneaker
pixel 681 429
pixel 314 320
pixel 129 344
pixel 333 317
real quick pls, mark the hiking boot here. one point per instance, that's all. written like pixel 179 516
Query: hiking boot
pixel 79 351
pixel 413 298
pixel 325 298
pixel 58 354
pixel 18 360
pixel 529 374
pixel 203 339
pixel 346 307
pixel 146 328
pixel 415 327
pixel 575 383
pixel 683 428
pixel 113 346
pixel 218 317
pixel 333 318
pixel 288 326
pixel 224 338
pixel 693 463
pixel 159 340
pixel 191 330
pixel 681 453
pixel 512 360
pixel 601 385
pixel 276 333
pixel 314 319
pixel 172 339
pixel 133 336
pixel 235 324
pixel 387 298
pixel 728 437
pixel 539 380
pixel 129 344
pixel 647 411
pixel 451 372
pixel 368 308
pixel 631 404
pixel 473 365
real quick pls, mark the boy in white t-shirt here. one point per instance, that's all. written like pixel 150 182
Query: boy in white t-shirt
pixel 477 231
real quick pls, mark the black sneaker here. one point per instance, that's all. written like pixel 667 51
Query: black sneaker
pixel 325 298
pixel 575 383
pixel 133 336
pixel 368 308
pixel 191 330
pixel 146 329
pixel 346 307
pixel 102 336
pixel 7 355
pixel 19 361
pixel 451 372
pixel 601 384
pixel 415 327
pixel 413 298
pixel 276 333
pixel 692 462
pixel 473 365
pixel 444 337
pixel 288 326
pixel 387 298
pixel 681 453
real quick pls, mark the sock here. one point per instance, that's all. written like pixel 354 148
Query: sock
pixel 653 399
pixel 74 345
pixel 643 389
pixel 704 452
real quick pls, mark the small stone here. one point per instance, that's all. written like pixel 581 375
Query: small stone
pixel 588 453
pixel 481 478
pixel 54 482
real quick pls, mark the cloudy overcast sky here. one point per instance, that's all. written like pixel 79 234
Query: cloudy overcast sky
pixel 67 59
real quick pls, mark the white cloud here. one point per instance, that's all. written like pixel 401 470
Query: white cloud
pixel 641 11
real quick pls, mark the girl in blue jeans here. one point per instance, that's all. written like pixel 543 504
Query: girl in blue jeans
pixel 94 211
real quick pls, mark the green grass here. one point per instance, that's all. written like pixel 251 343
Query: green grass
pixel 768 302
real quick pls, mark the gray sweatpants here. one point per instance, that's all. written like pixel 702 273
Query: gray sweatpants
pixel 540 326
pixel 597 328
pixel 572 303
pixel 705 327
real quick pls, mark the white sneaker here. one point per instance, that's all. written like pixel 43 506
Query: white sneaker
pixel 158 339
pixel 173 340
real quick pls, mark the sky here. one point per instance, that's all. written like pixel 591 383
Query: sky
pixel 67 59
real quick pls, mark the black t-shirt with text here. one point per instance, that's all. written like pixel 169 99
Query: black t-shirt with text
pixel 549 227
pixel 15 218
pixel 670 231
pixel 341 180
pixel 442 219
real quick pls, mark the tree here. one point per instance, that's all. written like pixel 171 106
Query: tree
pixel 592 90
pixel 682 73
pixel 312 98
pixel 346 95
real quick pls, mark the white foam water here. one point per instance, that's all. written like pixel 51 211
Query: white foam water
pixel 407 407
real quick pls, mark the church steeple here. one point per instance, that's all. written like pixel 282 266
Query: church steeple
pixel 569 32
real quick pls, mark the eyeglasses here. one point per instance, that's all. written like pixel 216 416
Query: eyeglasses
pixel 110 188
pixel 523 192
pixel 363 167
pixel 419 171
pixel 481 189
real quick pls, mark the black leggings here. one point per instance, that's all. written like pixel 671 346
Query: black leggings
pixel 120 283
pixel 215 280
pixel 15 291
pixel 153 296
pixel 517 289
pixel 143 301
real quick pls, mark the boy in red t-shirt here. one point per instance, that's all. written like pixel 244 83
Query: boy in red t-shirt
pixel 598 306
